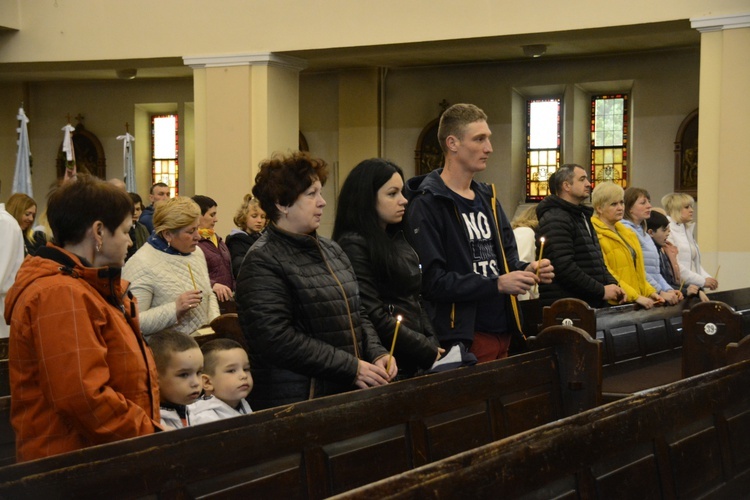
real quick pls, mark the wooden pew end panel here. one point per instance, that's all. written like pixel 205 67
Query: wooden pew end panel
pixel 580 364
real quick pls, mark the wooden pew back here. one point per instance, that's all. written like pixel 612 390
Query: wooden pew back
pixel 631 337
pixel 708 327
pixel 7 435
pixel 4 374
pixel 321 447
pixel 690 439
pixel 738 351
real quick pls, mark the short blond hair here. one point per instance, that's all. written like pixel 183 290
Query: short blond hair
pixel 455 119
pixel 673 204
pixel 606 193
pixel 175 213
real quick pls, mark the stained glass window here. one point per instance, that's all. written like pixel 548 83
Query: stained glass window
pixel 609 139
pixel 164 152
pixel 542 146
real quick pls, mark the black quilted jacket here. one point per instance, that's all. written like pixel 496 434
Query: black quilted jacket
pixel 299 308
pixel 384 299
pixel 573 247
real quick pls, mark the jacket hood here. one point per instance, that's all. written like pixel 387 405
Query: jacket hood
pixel 52 260
pixel 237 232
pixel 432 183
pixel 205 404
pixel 554 201
pixel 632 225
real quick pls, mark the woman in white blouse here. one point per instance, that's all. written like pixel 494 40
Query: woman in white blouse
pixel 680 210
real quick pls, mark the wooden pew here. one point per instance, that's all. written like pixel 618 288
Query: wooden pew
pixel 644 348
pixel 738 351
pixel 531 311
pixel 4 374
pixel 689 439
pixel 322 447
pixel 7 436
pixel 224 326
pixel 708 328
pixel 4 378
pixel 3 347
pixel 641 348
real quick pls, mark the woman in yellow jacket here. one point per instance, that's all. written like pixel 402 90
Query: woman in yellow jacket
pixel 620 246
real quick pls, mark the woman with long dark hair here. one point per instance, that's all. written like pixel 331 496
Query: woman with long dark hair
pixel 370 228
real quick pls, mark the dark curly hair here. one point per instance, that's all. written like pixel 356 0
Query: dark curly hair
pixel 282 178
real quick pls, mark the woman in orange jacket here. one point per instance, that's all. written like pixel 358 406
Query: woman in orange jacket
pixel 80 371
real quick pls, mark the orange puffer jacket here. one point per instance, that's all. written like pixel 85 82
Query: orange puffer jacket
pixel 80 371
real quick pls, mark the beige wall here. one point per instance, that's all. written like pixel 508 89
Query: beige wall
pixel 52 30
pixel 664 91
pixel 106 106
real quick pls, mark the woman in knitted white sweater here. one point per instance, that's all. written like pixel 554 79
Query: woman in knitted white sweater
pixel 169 276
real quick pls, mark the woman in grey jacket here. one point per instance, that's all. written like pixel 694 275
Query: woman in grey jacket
pixel 298 298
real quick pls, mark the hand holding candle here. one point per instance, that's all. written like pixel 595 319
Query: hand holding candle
pixel 393 344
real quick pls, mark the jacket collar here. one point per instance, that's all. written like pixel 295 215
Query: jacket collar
pixel 301 240
pixel 554 201
pixel 105 280
pixel 433 183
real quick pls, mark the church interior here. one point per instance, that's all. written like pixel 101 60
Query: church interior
pixel 352 80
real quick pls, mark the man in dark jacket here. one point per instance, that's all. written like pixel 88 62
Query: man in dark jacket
pixel 572 245
pixel 471 269
pixel 159 192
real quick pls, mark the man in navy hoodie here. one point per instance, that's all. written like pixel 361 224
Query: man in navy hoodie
pixel 471 269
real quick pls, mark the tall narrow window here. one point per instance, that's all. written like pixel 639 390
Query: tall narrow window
pixel 609 138
pixel 542 146
pixel 164 152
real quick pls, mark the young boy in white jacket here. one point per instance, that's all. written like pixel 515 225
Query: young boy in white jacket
pixel 226 382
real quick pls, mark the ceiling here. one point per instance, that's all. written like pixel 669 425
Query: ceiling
pixel 564 44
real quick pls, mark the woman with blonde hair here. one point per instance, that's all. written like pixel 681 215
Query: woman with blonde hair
pixel 620 246
pixel 169 275
pixel 524 229
pixel 251 220
pixel 680 208
pixel 23 208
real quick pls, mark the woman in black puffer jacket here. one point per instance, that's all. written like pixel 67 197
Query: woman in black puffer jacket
pixel 298 298
pixel 370 228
